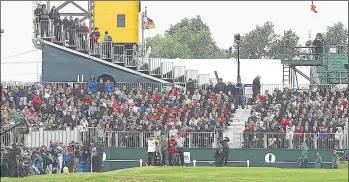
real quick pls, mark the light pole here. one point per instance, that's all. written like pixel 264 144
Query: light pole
pixel 237 39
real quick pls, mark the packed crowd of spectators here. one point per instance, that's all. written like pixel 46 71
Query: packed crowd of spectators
pixel 109 108
pixel 55 158
pixel 316 116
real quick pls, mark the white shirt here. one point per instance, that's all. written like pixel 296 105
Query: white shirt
pixel 193 122
pixel 173 132
pixel 151 145
pixel 196 97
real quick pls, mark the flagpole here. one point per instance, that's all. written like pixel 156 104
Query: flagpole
pixel 142 53
pixel 144 49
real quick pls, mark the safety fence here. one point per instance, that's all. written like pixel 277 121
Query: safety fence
pixel 192 139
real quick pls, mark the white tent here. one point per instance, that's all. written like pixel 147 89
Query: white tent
pixel 269 70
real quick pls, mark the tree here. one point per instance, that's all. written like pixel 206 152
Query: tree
pixel 263 43
pixel 188 39
pixel 283 46
pixel 336 34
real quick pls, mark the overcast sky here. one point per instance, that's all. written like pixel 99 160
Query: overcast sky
pixel 224 19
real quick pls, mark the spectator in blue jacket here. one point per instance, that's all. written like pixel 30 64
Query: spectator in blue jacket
pixel 109 87
pixel 92 85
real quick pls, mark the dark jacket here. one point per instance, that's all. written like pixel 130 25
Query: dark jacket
pixel 239 89
pixel 65 23
pixel 220 87
pixel 190 86
pixel 225 144
pixel 256 87
pixel 230 88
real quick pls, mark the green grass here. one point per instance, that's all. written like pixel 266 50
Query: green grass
pixel 199 174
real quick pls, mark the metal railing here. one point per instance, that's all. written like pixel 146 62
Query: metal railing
pixel 295 140
pixel 192 139
pixel 83 85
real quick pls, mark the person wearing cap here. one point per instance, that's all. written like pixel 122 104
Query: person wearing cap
pixel 335 160
pixel 318 161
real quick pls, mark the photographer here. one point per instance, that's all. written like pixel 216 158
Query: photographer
pixel 225 152
pixel 13 160
pixel 3 162
pixel 85 155
pixel 76 155
pixel 100 152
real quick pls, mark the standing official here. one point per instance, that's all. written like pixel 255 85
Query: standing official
pixel 151 150
pixel 180 146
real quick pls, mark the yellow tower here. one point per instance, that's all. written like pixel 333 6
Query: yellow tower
pixel 119 18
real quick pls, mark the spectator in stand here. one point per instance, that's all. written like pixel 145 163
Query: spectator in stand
pixel 109 87
pixel 288 113
pixel 310 115
pixel 256 86
pixel 57 23
pixel 72 28
pixel 92 85
pixel 101 85
pixel 44 22
pixel 94 37
pixel 220 86
pixel 190 86
pixel 107 45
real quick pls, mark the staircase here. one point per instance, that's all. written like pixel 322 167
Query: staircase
pixel 237 126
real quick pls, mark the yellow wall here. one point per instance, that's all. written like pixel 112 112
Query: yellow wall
pixel 105 18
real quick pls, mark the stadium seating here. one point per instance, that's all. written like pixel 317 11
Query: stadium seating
pixel 315 116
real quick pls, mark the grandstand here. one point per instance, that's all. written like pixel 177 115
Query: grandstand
pixel 133 97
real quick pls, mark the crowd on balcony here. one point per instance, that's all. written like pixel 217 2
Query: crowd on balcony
pixel 49 24
pixel 316 116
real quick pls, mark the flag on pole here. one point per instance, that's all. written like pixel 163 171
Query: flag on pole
pixel 313 7
pixel 147 23
pixel 151 24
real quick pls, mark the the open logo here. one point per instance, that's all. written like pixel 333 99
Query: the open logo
pixel 269 158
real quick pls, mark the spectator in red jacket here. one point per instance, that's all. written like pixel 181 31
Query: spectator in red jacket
pixel 173 91
pixel 36 102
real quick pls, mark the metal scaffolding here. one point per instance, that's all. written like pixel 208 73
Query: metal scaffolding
pixel 87 12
